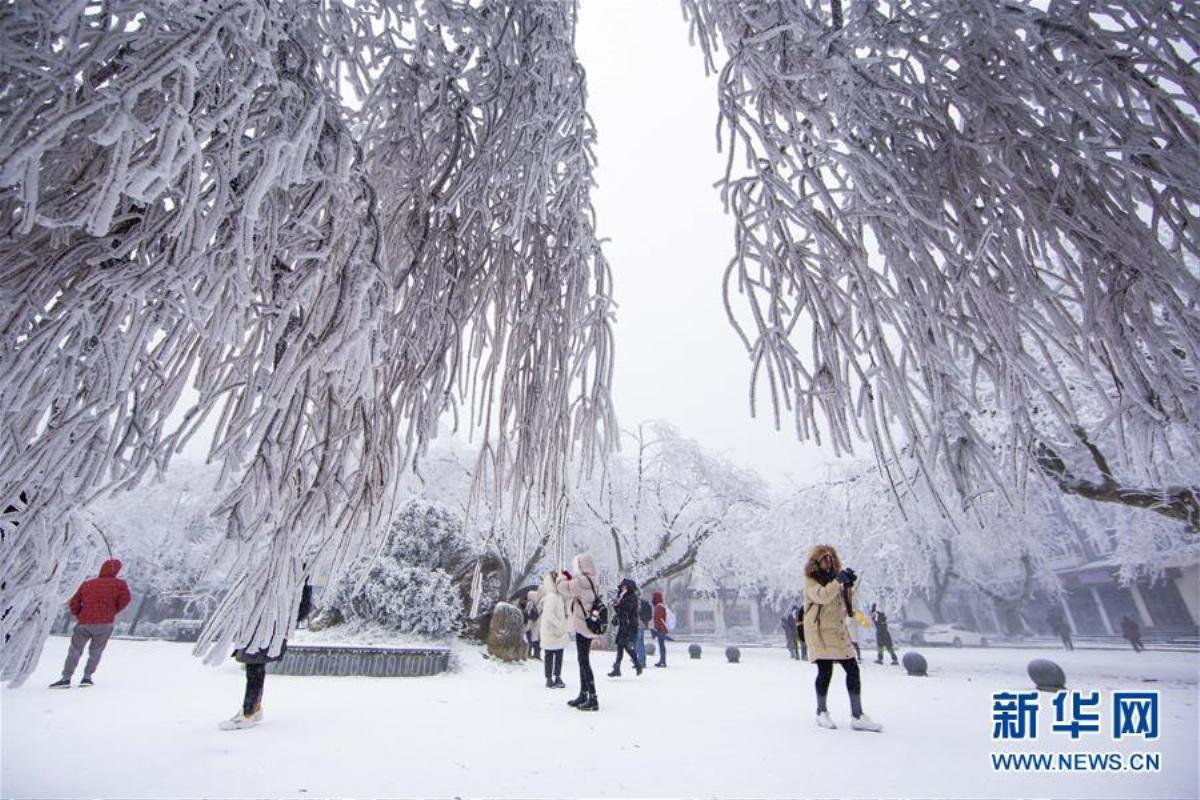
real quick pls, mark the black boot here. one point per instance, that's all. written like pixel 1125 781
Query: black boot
pixel 616 672
pixel 549 683
pixel 578 701
pixel 591 704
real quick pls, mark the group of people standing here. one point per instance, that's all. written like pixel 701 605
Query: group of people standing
pixel 793 630
pixel 562 607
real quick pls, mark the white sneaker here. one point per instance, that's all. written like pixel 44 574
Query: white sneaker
pixel 865 723
pixel 239 721
pixel 824 721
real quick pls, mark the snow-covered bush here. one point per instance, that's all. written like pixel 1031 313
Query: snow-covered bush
pixel 410 599
pixel 427 534
pixel 408 586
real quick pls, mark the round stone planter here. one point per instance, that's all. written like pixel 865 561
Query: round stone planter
pixel 915 664
pixel 1046 675
pixel 733 655
pixel 694 650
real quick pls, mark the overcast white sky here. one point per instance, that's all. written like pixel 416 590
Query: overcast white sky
pixel 677 358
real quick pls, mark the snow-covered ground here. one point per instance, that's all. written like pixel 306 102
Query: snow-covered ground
pixel 149 729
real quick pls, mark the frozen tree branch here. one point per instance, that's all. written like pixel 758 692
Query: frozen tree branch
pixel 944 207
pixel 1177 503
pixel 318 225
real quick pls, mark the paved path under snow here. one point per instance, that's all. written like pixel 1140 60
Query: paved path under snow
pixel 704 727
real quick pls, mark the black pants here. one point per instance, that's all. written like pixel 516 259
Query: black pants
pixel 587 681
pixel 1137 645
pixel 853 683
pixel 887 647
pixel 624 647
pixel 1066 639
pixel 256 674
pixel 553 664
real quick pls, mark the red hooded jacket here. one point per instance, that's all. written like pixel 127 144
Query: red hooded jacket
pixel 660 614
pixel 98 600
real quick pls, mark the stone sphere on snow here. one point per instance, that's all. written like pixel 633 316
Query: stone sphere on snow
pixel 694 650
pixel 733 654
pixel 1046 675
pixel 506 633
pixel 915 664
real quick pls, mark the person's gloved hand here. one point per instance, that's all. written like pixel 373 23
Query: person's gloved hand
pixel 566 574
pixel 847 577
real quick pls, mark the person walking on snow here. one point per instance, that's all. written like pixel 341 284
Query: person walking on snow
pixel 626 610
pixel 1058 624
pixel 552 629
pixel 828 595
pixel 94 605
pixel 883 636
pixel 659 622
pixel 788 622
pixel 578 585
pixel 256 673
pixel 645 619
pixel 1130 630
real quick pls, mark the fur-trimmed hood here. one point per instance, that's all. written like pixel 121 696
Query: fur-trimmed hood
pixel 813 565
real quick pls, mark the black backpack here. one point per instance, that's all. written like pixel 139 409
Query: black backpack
pixel 645 611
pixel 596 618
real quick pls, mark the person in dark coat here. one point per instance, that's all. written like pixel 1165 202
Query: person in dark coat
pixel 790 633
pixel 94 605
pixel 1058 624
pixel 800 632
pixel 626 611
pixel 1131 631
pixel 883 636
pixel 645 618
pixel 256 672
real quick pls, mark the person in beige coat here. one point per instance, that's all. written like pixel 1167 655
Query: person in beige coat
pixel 552 626
pixel 579 587
pixel 829 596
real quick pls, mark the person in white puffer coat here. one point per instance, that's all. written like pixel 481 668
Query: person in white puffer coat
pixel 552 626
pixel 580 589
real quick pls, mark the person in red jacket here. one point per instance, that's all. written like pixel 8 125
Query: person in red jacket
pixel 659 624
pixel 94 605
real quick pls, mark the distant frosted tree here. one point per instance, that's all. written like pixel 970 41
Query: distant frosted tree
pixel 336 221
pixel 937 201
pixel 651 513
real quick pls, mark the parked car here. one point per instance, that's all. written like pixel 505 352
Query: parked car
pixel 955 634
pixel 910 631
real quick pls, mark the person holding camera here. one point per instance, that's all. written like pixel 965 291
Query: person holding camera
pixel 828 595
pixel 578 585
